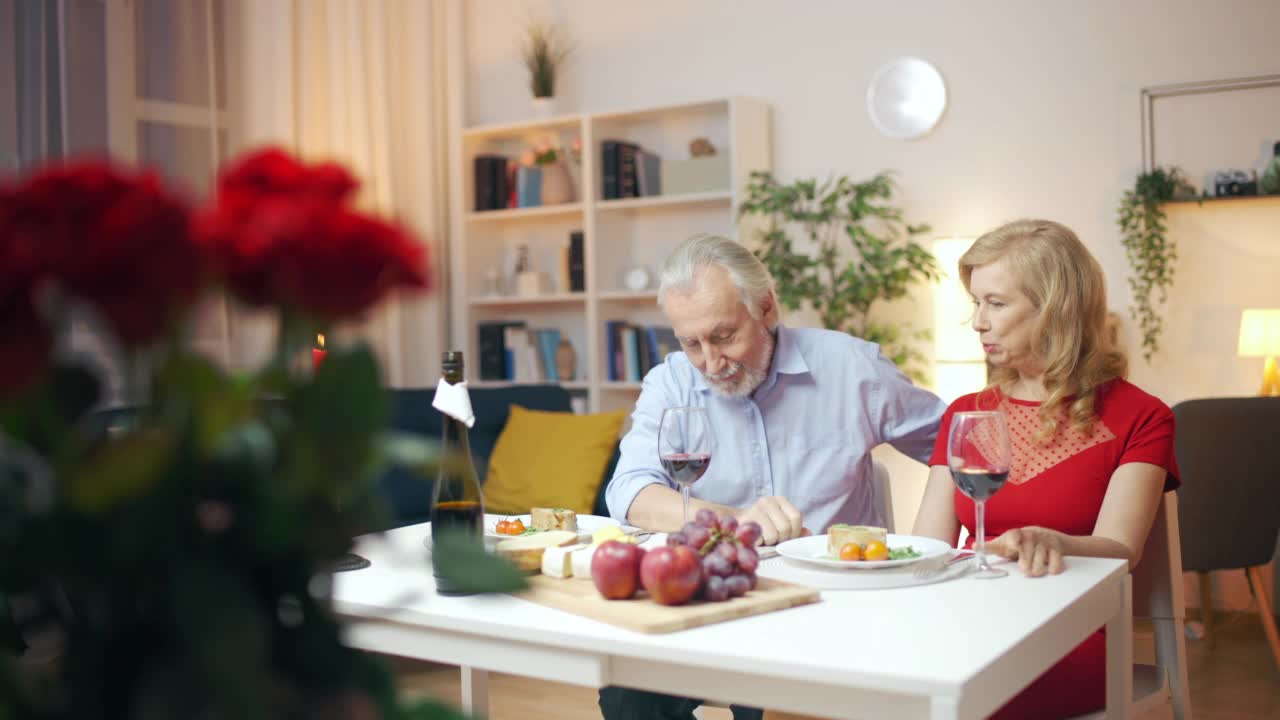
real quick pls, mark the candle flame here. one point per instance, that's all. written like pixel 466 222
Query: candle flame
pixel 320 339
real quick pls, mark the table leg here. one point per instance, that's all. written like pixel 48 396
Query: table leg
pixel 1120 654
pixel 475 691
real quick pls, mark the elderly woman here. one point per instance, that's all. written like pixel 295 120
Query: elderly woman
pixel 1092 453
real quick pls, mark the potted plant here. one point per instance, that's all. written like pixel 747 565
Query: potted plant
pixel 543 51
pixel 857 251
pixel 1149 250
pixel 182 548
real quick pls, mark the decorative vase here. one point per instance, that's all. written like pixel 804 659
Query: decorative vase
pixel 557 185
pixel 544 107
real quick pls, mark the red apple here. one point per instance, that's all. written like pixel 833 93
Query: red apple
pixel 671 575
pixel 615 569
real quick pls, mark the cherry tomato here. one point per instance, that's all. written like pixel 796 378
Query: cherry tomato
pixel 875 550
pixel 517 527
pixel 503 527
pixel 850 551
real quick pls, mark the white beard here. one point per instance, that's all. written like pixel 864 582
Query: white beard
pixel 741 379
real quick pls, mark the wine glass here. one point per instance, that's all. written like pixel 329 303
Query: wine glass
pixel 684 447
pixel 979 455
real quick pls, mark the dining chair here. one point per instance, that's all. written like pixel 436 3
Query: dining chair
pixel 1158 596
pixel 1229 457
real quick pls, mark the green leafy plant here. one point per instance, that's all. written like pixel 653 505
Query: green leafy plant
pixel 1150 251
pixel 858 251
pixel 543 51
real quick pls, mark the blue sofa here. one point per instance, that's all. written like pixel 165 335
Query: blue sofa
pixel 409 494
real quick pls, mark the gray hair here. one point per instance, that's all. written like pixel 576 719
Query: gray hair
pixel 749 275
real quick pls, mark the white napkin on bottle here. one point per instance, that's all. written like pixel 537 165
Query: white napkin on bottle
pixel 454 401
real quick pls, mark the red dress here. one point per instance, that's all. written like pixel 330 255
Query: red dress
pixel 1061 486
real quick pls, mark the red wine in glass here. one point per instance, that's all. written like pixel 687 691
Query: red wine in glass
pixel 686 468
pixel 979 455
pixel 978 483
pixel 684 447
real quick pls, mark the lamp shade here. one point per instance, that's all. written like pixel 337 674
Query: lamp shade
pixel 1259 333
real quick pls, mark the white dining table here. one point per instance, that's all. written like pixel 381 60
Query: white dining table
pixel 951 650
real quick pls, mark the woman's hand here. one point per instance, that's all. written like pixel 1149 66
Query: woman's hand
pixel 1036 549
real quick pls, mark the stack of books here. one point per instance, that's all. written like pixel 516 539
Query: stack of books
pixel 632 351
pixel 629 170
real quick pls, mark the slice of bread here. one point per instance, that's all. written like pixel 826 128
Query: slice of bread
pixel 554 519
pixel 525 552
pixel 840 535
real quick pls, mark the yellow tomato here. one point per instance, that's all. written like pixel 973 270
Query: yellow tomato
pixel 850 551
pixel 875 550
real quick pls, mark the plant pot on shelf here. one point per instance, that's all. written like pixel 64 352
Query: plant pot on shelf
pixel 557 184
pixel 544 107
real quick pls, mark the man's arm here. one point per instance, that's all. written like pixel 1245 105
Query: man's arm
pixel 909 415
pixel 639 472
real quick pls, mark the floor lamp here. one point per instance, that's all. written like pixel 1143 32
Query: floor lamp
pixel 1260 337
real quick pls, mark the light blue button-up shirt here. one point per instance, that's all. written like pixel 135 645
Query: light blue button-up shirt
pixel 806 433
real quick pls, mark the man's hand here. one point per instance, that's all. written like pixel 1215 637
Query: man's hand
pixel 1036 549
pixel 779 520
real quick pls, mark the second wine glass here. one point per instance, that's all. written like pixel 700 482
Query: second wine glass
pixel 979 456
pixel 685 444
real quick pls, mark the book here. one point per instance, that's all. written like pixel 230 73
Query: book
pixel 493 350
pixel 490 182
pixel 627 187
pixel 609 169
pixel 648 174
pixel 529 187
pixel 548 342
pixel 577 262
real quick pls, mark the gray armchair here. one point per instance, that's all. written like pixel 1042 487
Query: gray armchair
pixel 1228 451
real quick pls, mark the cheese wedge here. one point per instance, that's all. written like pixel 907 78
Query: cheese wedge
pixel 557 562
pixel 554 519
pixel 581 561
pixel 840 535
pixel 525 552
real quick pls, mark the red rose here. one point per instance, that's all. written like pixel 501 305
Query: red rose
pixel 25 341
pixel 116 240
pixel 280 233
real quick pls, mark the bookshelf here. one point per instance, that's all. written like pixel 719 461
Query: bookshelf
pixel 617 234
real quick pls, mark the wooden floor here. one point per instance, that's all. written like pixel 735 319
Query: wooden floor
pixel 1236 679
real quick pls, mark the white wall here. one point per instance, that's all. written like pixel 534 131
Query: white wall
pixel 1043 120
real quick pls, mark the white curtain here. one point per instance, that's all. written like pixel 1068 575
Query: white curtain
pixel 362 82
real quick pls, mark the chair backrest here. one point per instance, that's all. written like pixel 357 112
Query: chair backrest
pixel 1158 595
pixel 1228 455
pixel 883 493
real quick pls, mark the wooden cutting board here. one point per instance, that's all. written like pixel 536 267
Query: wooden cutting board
pixel 644 615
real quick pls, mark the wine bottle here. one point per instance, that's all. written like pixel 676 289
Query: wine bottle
pixel 457 506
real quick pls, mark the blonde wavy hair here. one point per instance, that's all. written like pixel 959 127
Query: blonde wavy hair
pixel 1067 288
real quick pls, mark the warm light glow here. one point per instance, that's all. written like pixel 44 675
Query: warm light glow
pixel 319 340
pixel 959 365
pixel 1259 333
pixel 1260 337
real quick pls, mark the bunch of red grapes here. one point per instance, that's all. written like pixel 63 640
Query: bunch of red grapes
pixel 728 552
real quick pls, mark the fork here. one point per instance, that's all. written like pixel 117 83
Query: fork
pixel 935 566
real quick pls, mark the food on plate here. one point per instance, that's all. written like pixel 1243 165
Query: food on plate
pixel 840 535
pixel 875 550
pixel 610 532
pixel 554 519
pixel 513 526
pixel 557 562
pixel 670 574
pixel 851 551
pixel 526 552
pixel 615 569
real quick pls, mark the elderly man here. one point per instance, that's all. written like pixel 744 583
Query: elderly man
pixel 795 414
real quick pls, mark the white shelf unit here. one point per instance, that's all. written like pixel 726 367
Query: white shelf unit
pixel 617 234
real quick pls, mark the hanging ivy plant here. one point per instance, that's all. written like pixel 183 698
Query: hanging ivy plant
pixel 1151 253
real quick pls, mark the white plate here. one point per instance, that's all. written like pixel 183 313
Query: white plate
pixel 813 550
pixel 587 524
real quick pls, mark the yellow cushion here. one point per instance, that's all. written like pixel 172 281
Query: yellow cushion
pixel 550 459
